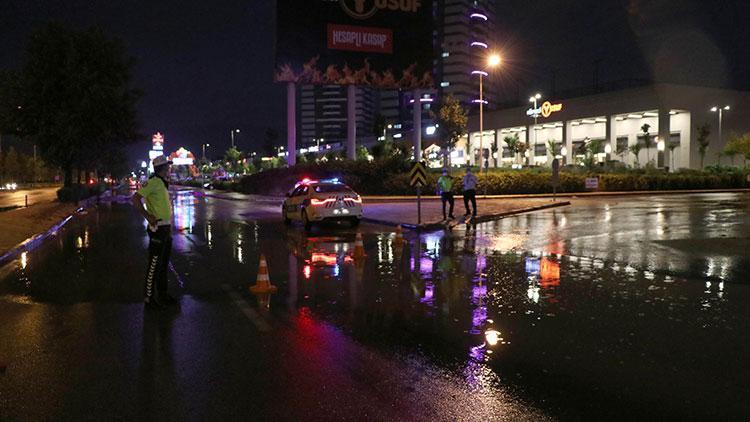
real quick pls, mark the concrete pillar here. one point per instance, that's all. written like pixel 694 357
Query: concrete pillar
pixel 417 125
pixel 530 134
pixel 568 142
pixel 291 123
pixel 664 132
pixel 609 130
pixel 351 122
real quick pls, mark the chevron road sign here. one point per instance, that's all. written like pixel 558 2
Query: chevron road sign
pixel 418 175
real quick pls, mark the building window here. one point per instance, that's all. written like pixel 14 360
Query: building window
pixel 446 54
pixel 445 84
pixel 622 143
pixel 540 149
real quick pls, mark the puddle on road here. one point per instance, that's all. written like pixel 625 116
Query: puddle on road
pixel 478 301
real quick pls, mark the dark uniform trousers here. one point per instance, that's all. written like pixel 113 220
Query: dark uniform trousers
pixel 159 250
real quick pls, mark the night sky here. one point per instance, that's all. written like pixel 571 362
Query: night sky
pixel 205 67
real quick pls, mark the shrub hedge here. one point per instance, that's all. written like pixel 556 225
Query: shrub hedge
pixel 391 178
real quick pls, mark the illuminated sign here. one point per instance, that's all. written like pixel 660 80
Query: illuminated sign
pixel 545 110
pixel 366 9
pixel 157 142
pixel 383 44
pixel 182 157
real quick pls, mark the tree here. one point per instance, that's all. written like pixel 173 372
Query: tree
pixel 743 147
pixel 589 151
pixel 270 139
pixel 512 143
pixel 75 96
pixel 452 122
pixel 734 146
pixel 362 153
pixel 647 141
pixel 703 141
pixel 13 166
pixel 233 160
pixel 635 149
pixel 494 148
pixel 9 102
pixel 552 147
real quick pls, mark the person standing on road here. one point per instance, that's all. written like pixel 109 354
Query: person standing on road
pixel 445 186
pixel 158 213
pixel 470 192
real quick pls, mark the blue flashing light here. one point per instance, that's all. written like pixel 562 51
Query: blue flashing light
pixel 532 266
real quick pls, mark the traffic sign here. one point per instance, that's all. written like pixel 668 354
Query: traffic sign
pixel 555 181
pixel 418 175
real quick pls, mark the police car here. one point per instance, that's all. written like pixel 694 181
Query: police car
pixel 317 200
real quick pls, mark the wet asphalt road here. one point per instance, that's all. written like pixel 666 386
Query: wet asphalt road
pixel 624 308
pixel 20 198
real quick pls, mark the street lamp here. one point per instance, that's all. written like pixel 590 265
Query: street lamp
pixel 720 110
pixel 204 150
pixel 232 132
pixel 536 97
pixel 493 60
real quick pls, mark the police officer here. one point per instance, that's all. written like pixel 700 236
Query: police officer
pixel 470 192
pixel 445 190
pixel 158 213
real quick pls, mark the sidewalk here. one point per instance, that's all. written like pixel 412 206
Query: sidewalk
pixel 389 198
pixel 21 224
pixel 405 213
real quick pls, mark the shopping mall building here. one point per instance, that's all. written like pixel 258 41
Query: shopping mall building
pixel 616 118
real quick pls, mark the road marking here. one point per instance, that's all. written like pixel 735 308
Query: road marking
pixel 249 312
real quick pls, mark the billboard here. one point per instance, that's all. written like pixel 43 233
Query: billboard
pixel 380 43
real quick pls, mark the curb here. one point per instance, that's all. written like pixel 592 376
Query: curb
pixel 34 241
pixel 482 219
pixel 378 199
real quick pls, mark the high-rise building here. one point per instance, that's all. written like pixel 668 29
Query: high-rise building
pixel 463 38
pixel 323 110
pixel 465 32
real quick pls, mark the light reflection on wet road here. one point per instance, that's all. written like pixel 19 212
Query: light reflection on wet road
pixel 613 305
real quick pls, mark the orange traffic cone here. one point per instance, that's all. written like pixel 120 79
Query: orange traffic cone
pixel 399 235
pixel 263 284
pixel 359 247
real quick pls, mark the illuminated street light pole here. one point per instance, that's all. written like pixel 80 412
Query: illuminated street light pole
pixel 204 150
pixel 534 100
pixel 232 132
pixel 720 110
pixel 492 61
